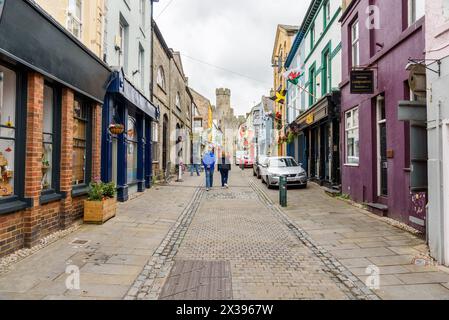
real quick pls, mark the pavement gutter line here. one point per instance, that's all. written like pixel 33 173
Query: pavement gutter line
pixel 345 277
pixel 149 283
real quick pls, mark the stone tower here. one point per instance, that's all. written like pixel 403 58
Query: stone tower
pixel 223 104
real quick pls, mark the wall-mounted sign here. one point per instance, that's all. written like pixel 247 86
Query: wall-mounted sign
pixel 2 3
pixel 362 82
pixel 310 118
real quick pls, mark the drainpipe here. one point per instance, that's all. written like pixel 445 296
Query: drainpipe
pixel 152 53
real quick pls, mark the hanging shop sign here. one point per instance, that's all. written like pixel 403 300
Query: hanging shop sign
pixel 362 82
pixel 310 119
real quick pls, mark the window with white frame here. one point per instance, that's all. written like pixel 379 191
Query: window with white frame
pixel 355 44
pixel 74 19
pixel 327 13
pixel 416 10
pixel 142 66
pixel 160 79
pixel 352 136
pixel 178 101
pixel 142 11
pixel 123 53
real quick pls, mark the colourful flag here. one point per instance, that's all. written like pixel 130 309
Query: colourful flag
pixel 293 75
pixel 280 96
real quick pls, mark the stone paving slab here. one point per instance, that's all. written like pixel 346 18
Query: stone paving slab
pixel 112 258
pixel 395 250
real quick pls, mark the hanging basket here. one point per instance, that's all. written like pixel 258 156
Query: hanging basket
pixel 116 128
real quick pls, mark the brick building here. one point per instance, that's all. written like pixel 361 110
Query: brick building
pixel 50 124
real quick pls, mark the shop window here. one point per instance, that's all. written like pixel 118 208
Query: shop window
pixel 132 150
pixel 155 142
pixel 352 136
pixel 48 140
pixel 8 83
pixel 81 145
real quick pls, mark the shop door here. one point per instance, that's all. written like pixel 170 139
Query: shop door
pixel 164 143
pixel 327 150
pixel 382 147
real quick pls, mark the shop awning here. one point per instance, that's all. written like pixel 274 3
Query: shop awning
pixel 29 36
pixel 119 84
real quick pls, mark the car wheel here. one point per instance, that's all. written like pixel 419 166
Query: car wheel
pixel 258 175
pixel 254 173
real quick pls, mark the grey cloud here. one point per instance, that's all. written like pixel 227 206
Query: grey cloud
pixel 234 34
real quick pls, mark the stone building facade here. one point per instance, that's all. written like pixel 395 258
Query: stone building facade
pixel 174 99
pixel 285 35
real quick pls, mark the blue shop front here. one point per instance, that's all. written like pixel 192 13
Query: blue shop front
pixel 126 157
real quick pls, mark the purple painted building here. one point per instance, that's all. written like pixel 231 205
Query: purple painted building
pixel 381 36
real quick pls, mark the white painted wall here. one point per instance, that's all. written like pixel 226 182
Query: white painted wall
pixel 298 99
pixel 139 34
pixel 437 47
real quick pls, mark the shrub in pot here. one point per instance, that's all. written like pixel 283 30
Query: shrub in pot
pixel 101 204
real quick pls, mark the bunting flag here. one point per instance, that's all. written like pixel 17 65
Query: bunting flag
pixel 293 75
pixel 280 96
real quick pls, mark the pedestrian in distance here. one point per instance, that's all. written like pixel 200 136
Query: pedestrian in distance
pixel 209 167
pixel 195 164
pixel 224 167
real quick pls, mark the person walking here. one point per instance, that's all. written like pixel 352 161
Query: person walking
pixel 195 164
pixel 224 167
pixel 209 167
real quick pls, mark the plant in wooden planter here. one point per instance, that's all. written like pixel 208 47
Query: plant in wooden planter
pixel 101 204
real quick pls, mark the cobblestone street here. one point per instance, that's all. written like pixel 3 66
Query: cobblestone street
pixel 231 243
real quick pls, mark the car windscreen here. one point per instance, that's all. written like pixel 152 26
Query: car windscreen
pixel 283 163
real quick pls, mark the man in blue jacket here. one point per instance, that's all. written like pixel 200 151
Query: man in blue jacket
pixel 209 165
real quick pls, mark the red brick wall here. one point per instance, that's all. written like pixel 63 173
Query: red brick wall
pixel 33 157
pixel 25 228
pixel 66 156
pixel 96 143
pixel 11 233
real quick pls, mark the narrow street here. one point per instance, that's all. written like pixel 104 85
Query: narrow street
pixel 229 244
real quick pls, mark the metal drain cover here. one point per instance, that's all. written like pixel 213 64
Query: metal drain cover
pixel 79 242
pixel 198 280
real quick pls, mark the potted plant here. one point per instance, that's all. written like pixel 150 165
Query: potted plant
pixel 101 204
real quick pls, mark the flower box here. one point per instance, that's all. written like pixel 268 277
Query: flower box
pixel 98 212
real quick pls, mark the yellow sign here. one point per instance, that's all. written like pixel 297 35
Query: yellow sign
pixel 310 119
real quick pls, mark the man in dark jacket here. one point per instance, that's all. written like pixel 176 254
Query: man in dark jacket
pixel 224 167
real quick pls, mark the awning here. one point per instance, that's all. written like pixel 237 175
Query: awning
pixel 119 84
pixel 29 36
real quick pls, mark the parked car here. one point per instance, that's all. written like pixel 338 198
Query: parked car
pixel 275 167
pixel 246 161
pixel 258 165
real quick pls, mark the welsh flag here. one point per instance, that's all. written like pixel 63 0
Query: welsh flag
pixel 293 75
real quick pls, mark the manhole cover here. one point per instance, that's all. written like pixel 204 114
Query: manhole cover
pixel 79 242
pixel 198 280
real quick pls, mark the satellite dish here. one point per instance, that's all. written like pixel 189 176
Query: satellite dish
pixel 417 80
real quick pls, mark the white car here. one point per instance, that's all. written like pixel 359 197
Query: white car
pixel 275 167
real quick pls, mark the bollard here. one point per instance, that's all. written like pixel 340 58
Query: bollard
pixel 283 191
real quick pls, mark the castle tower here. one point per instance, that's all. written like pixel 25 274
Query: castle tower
pixel 223 103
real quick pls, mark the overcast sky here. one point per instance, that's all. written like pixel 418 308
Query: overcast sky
pixel 237 35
